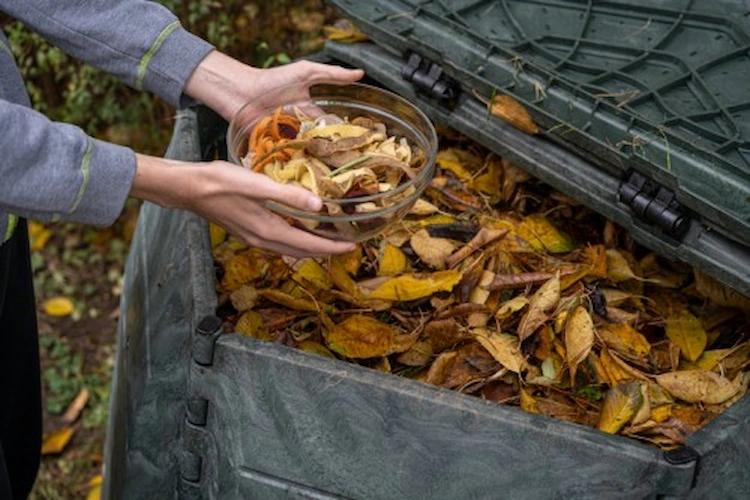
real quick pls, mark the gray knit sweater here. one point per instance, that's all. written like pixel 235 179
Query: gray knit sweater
pixel 54 171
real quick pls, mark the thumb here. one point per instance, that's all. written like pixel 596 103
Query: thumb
pixel 334 74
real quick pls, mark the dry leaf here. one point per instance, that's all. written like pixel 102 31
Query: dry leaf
pixel 393 261
pixel 484 237
pixel 242 268
pixel 511 307
pixel 503 347
pixel 451 159
pixel 312 273
pixel 95 486
pixel 244 298
pixel 528 402
pixel 543 235
pixel 251 323
pixel 58 306
pixel 491 181
pixel 361 337
pixel 315 348
pixel 698 386
pixel 686 331
pixel 341 278
pixel 286 300
pixel 618 268
pixel 412 287
pixel 625 339
pixel 719 293
pixel 343 31
pixel 432 251
pixel 542 302
pixel 76 407
pixel 579 338
pixel 621 404
pixel 514 113
pixel 55 443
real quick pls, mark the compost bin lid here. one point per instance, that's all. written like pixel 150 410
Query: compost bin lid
pixel 659 88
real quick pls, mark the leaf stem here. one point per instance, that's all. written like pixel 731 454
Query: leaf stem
pixel 351 164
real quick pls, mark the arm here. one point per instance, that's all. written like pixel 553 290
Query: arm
pixel 139 41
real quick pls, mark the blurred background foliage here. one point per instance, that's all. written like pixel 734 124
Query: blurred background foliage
pixel 257 32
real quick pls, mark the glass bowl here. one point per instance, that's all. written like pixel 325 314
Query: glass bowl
pixel 355 218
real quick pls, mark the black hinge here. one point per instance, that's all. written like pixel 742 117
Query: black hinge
pixel 654 204
pixel 429 78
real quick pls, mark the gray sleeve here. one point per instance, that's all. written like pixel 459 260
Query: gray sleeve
pixel 54 171
pixel 139 41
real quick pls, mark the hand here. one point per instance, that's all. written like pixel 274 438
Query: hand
pixel 225 84
pixel 233 197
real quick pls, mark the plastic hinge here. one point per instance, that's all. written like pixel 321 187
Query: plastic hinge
pixel 190 467
pixel 197 411
pixel 204 339
pixel 429 78
pixel 654 204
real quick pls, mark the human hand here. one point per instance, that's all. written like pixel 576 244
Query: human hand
pixel 233 197
pixel 225 84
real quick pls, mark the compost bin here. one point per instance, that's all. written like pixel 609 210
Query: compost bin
pixel 646 110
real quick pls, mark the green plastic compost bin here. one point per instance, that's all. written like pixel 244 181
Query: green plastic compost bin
pixel 646 107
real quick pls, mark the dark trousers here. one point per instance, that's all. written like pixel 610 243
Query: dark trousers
pixel 20 388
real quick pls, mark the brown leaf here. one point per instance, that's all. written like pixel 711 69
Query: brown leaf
pixel 315 348
pixel 719 293
pixel 484 237
pixel 579 338
pixel 698 386
pixel 244 298
pixel 289 301
pixel 432 251
pixel 514 113
pixel 542 302
pixel 444 333
pixel 620 405
pixel 512 281
pixel 420 354
pixel 503 347
pixel 76 407
pixel 361 337
pixel 55 443
pixel 512 306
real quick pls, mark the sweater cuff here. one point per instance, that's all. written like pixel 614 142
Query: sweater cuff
pixel 173 57
pixel 111 171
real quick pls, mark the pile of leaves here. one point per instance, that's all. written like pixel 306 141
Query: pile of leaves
pixel 497 286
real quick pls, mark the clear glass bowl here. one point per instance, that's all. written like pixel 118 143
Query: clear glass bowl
pixel 401 119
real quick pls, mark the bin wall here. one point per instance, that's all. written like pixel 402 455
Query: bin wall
pixel 168 287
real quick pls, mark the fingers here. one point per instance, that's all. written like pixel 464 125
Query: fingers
pixel 275 234
pixel 318 73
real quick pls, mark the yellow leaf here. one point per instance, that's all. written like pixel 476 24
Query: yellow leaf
pixel 412 286
pixel 38 236
pixel 217 233
pixel 393 262
pixel 543 235
pixel 528 402
pixel 289 301
pixel 344 32
pixel 242 268
pixel 618 268
pixel 351 261
pixel 491 182
pixel 310 272
pixel 503 347
pixel 579 338
pixel 423 207
pixel 450 159
pixel 251 324
pixel 56 442
pixel 436 219
pixel 624 338
pixel 96 488
pixel 361 337
pixel 431 251
pixel 514 113
pixel 315 348
pixel 616 369
pixel 58 306
pixel 511 306
pixel 686 331
pixel 661 413
pixel 620 405
pixel 596 256
pixel 698 386
pixel 544 300
pixel 244 298
pixel 340 277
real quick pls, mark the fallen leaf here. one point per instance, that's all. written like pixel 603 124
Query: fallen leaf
pixel 340 276
pixel 491 181
pixel 542 302
pixel 286 300
pixel 412 287
pixel 719 293
pixel 625 339
pixel 686 331
pixel 511 307
pixel 620 405
pixel 315 348
pixel 242 268
pixel 244 298
pixel 503 347
pixel 55 443
pixel 528 402
pixel 698 386
pixel 58 306
pixel 579 338
pixel 95 486
pixel 451 160
pixel 344 31
pixel 543 235
pixel 432 251
pixel 618 268
pixel 514 113
pixel 251 324
pixel 361 337
pixel 351 261
pixel 217 234
pixel 76 407
pixel 392 262
pixel 484 237
pixel 312 273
